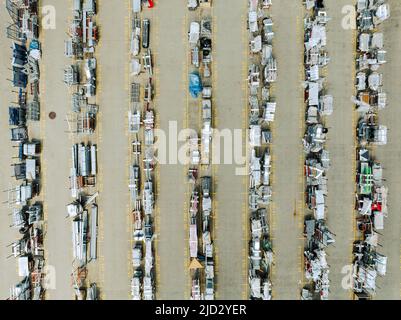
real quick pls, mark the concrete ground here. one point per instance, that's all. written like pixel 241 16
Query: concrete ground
pixel 173 198
pixel 8 266
pixel 56 153
pixel 113 151
pixel 287 153
pixel 340 144
pixel 389 287
pixel 230 105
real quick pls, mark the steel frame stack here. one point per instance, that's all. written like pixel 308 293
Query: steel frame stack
pixel 143 166
pixel 24 199
pixel 262 74
pixel 81 78
pixel 371 193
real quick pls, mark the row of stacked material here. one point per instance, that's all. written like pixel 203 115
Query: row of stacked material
pixel 371 196
pixel 317 162
pixel 27 213
pixel 200 42
pixel 262 74
pixel 141 117
pixel 80 77
pixel 201 240
pixel 200 213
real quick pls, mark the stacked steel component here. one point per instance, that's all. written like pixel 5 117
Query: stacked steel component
pixel 262 74
pixel 371 194
pixel 318 105
pixel 200 42
pixel 80 78
pixel 192 5
pixel 27 213
pixel 201 240
pixel 142 184
pixel 200 213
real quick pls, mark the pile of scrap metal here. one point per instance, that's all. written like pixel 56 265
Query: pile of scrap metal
pixel 371 197
pixel 141 115
pixel 201 250
pixel 317 160
pixel 80 76
pixel 27 214
pixel 262 108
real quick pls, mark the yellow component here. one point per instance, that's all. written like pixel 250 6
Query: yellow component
pixel 195 264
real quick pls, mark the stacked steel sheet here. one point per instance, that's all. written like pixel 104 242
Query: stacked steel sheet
pixel 142 184
pixel 262 73
pixel 318 105
pixel 80 77
pixel 371 193
pixel 200 212
pixel 27 213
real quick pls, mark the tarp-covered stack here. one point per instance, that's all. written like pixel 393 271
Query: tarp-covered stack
pixel 200 42
pixel 371 197
pixel 262 73
pixel 201 232
pixel 318 105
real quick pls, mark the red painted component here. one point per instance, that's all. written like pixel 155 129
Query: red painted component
pixel 150 4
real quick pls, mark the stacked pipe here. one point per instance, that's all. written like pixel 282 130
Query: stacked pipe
pixel 371 193
pixel 318 105
pixel 26 207
pixel 262 74
pixel 200 213
pixel 80 77
pixel 142 184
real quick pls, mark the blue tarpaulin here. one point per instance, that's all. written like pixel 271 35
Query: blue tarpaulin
pixel 34 45
pixel 195 84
